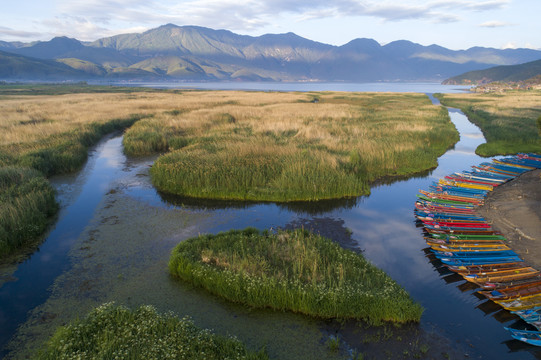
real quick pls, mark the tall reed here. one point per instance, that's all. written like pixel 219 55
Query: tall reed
pixel 508 120
pixel 292 270
pixel 285 149
pixel 27 201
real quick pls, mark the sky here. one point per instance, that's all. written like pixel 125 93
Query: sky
pixel 455 24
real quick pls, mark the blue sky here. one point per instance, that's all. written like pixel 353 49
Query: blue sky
pixel 455 24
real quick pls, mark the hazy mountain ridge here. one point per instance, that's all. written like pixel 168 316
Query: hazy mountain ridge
pixel 172 52
pixel 506 73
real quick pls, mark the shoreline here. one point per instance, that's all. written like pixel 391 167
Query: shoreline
pixel 514 208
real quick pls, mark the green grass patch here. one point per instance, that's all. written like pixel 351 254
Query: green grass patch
pixel 114 332
pixel 292 270
pixel 508 121
pixel 27 201
pixel 283 149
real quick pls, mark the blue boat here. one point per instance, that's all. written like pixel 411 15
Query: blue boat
pixel 531 337
pixel 479 261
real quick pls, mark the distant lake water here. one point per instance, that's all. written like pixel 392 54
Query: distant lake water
pixel 421 87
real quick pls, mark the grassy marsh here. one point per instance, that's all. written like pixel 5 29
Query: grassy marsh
pixel 285 147
pixel 508 121
pixel 115 332
pixel 292 270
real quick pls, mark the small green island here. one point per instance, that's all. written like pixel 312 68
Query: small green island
pixel 292 270
pixel 115 332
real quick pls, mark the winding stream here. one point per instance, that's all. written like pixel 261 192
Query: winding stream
pixel 115 232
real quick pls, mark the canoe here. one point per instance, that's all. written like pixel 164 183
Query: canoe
pixel 464 248
pixel 529 315
pixel 471 224
pixel 472 181
pixel 475 254
pixel 479 261
pixel 461 232
pixel 522 303
pixel 523 164
pixel 466 185
pixel 479 177
pixel 446 202
pixel 531 337
pixel 467 237
pixel 442 196
pixel 513 280
pixel 486 268
pixel 513 292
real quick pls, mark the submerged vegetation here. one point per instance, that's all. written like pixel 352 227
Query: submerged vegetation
pixel 508 121
pixel 114 332
pixel 292 270
pixel 287 147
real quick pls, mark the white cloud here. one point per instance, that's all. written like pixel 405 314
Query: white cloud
pixel 494 24
pixel 509 45
pixel 11 33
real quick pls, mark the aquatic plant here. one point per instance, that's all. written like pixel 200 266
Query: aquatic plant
pixel 115 332
pixel 27 201
pixel 292 270
pixel 286 148
pixel 508 120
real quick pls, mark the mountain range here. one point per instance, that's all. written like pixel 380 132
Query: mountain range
pixel 172 52
pixel 504 73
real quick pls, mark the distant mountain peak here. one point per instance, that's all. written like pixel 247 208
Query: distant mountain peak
pixel 195 52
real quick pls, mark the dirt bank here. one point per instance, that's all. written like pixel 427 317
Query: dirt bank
pixel 515 210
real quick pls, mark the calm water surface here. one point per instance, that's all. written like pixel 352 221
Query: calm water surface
pixel 382 226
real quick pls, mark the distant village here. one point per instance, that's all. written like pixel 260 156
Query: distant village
pixel 501 86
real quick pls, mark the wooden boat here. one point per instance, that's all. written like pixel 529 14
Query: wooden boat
pixel 529 315
pixel 528 336
pixel 513 292
pixel 451 237
pixel 487 268
pixel 442 209
pixel 461 232
pixel 496 170
pixel 464 248
pixel 442 196
pixel 513 280
pixel 521 303
pixel 478 172
pixel 478 261
pixel 471 224
pixel 522 164
pixel 480 177
pixel 466 185
pixel 472 181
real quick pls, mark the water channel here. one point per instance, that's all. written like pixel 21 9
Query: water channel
pixel 115 231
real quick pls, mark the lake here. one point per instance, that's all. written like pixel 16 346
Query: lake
pixel 114 234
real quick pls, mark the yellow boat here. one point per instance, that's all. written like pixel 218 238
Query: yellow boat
pixel 466 185
pixel 522 303
pixel 469 248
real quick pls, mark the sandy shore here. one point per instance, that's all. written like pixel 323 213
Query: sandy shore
pixel 515 210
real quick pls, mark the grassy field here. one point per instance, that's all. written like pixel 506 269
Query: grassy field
pixel 114 332
pixel 292 270
pixel 290 146
pixel 220 144
pixel 508 120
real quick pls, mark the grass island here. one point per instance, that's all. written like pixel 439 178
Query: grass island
pixel 292 270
